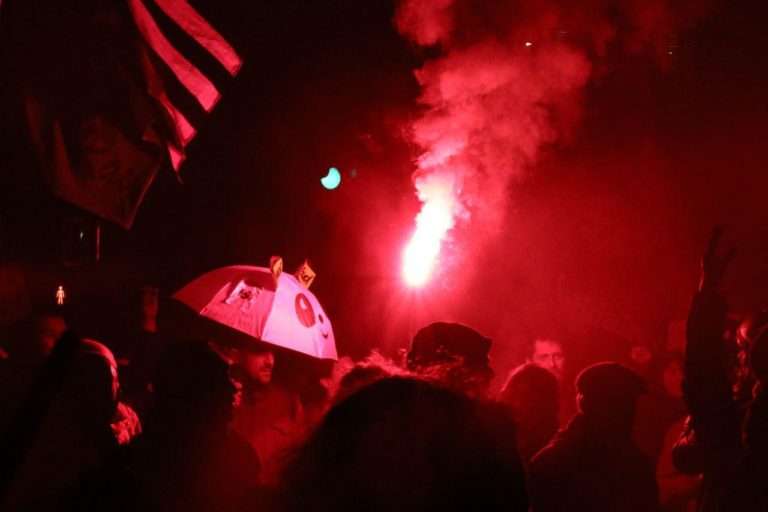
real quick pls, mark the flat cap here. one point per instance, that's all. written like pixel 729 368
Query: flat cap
pixel 610 380
pixel 443 342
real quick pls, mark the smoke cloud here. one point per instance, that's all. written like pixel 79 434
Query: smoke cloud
pixel 506 81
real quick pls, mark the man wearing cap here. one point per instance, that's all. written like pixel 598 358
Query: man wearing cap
pixel 454 356
pixel 593 464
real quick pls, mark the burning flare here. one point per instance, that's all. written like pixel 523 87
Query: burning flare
pixel 432 224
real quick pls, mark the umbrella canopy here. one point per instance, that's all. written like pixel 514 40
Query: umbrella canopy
pixel 277 310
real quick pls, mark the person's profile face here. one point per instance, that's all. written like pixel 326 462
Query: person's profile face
pixel 548 354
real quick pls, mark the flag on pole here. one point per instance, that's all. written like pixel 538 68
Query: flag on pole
pixel 124 95
pixel 185 72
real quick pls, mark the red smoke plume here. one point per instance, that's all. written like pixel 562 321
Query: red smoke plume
pixel 508 81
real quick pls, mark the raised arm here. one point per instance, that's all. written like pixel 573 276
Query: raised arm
pixel 712 445
pixel 707 364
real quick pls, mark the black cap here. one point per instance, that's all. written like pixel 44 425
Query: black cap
pixel 443 342
pixel 610 380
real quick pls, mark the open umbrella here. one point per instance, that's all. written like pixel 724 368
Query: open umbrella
pixel 270 306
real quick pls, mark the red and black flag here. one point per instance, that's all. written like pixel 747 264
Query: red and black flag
pixel 113 90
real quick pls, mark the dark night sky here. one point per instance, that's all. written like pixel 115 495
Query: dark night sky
pixel 608 225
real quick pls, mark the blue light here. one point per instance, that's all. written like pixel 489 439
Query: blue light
pixel 331 180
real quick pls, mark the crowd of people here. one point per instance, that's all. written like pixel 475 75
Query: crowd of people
pixel 147 423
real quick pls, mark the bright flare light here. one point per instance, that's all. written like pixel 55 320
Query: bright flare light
pixel 420 255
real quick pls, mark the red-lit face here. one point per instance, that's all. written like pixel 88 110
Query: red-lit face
pixel 673 380
pixel 548 354
pixel 258 366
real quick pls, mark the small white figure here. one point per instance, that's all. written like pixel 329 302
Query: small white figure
pixel 60 296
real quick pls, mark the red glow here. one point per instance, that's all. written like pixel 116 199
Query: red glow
pixel 489 110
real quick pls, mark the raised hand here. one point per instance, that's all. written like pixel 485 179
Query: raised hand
pixel 714 262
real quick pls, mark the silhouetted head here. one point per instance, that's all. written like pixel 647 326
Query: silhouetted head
pixel 38 334
pixel 357 378
pixel 192 387
pixel 607 395
pixel 404 444
pixel 454 355
pixel 532 391
pixel 533 396
pixel 71 409
pixel 87 396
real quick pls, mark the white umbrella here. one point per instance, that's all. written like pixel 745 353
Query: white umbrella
pixel 274 308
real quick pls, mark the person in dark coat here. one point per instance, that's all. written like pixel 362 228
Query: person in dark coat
pixel 63 430
pixel 25 356
pixel 270 416
pixel 533 396
pixel 407 445
pixel 727 441
pixel 593 464
pixel 138 350
pixel 661 407
pixel 187 458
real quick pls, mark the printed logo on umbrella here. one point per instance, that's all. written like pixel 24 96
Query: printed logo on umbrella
pixel 304 311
